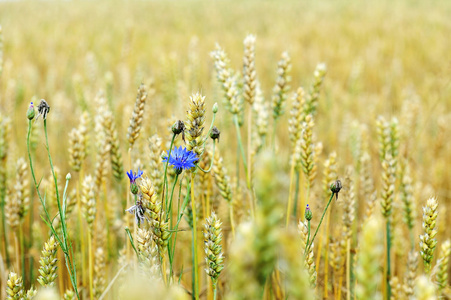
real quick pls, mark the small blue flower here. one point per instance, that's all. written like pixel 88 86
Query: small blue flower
pixel 135 176
pixel 181 159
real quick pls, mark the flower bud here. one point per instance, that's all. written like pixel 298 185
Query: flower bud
pixel 30 112
pixel 134 188
pixel 215 107
pixel 68 176
pixel 215 133
pixel 178 127
pixel 308 213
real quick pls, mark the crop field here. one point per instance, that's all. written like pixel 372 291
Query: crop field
pixel 225 149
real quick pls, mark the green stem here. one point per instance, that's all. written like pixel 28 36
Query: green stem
pixel 209 130
pixel 22 248
pixel 211 163
pixel 30 235
pixel 195 258
pixel 193 276
pixel 171 242
pixel 290 193
pixel 387 223
pixel 90 264
pixel 66 238
pixel 215 285
pixel 164 196
pixel 296 196
pixel 322 217
pixel 169 208
pixel 64 243
pixel 274 136
pixel 131 240
pixel 184 205
pixel 412 238
pixel 237 186
pixel 240 143
pixel 3 195
pixel 308 238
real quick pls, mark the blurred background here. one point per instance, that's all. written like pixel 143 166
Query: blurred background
pixel 389 58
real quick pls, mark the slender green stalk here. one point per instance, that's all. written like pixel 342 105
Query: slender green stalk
pixel 215 288
pixel 64 243
pixel 90 264
pixel 66 239
pixel 169 208
pixel 249 151
pixel 232 222
pixel 322 217
pixel 193 275
pixel 387 225
pixel 30 235
pixel 4 235
pixel 171 242
pixel 131 240
pixel 246 170
pixel 290 192
pixel 184 205
pixel 211 163
pixel 348 269
pixel 209 130
pixel 22 248
pixel 296 196
pixel 166 174
pixel 308 237
pixel 237 185
pixel 240 143
pixel 195 258
pixel 274 136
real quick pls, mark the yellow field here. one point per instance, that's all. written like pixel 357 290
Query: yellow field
pixel 373 112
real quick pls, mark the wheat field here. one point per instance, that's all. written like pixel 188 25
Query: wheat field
pixel 225 149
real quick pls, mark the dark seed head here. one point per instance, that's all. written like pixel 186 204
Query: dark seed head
pixel 178 127
pixel 43 109
pixel 336 187
pixel 215 133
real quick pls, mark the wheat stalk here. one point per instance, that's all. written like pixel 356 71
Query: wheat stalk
pixel 137 116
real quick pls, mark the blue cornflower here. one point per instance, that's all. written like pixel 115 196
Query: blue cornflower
pixel 181 159
pixel 134 176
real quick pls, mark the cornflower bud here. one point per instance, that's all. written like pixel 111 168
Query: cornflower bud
pixel 30 112
pixel 133 176
pixel 215 107
pixel 308 213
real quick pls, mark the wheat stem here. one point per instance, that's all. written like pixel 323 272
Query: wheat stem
pixel 195 258
pixel 387 279
pixel 90 263
pixel 240 143
pixel 290 192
